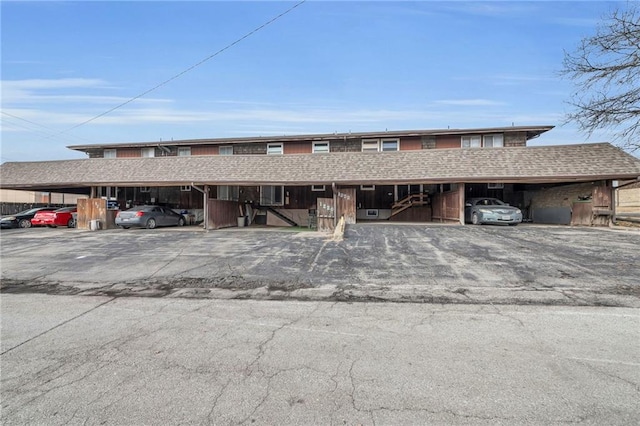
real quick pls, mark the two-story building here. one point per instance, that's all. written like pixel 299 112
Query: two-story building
pixel 421 175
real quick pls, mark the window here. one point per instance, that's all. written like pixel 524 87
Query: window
pixel 495 185
pixel 226 150
pixel 492 141
pixel 109 153
pixel 274 148
pixel 471 141
pixel 148 152
pixel 226 192
pixel 271 195
pixel 184 151
pixel 367 187
pixel 185 188
pixel 390 145
pixel 320 147
pixel 376 145
pixel 370 145
pixel 145 189
pixel 317 188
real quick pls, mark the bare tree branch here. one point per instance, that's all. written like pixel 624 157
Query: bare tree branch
pixel 605 69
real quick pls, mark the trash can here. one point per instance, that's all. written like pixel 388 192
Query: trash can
pixel 241 221
pixel 94 225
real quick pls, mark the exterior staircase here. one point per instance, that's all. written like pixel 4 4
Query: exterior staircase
pixel 408 202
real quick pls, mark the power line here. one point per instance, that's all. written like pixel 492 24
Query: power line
pixel 48 133
pixel 249 34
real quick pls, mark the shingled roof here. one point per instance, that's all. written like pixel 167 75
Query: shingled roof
pixel 565 163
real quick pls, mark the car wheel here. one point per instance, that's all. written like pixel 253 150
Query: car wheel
pixel 71 224
pixel 24 223
pixel 475 219
pixel 151 223
pixel 181 221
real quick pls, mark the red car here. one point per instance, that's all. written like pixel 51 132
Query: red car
pixel 65 216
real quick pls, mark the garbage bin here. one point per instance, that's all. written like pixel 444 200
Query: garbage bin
pixel 94 225
pixel 241 221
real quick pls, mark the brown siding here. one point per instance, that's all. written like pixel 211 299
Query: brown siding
pixel 297 147
pixel 410 144
pixel 128 153
pixel 250 148
pixel 346 204
pixel 222 214
pixel 448 141
pixel 515 139
pixel 204 150
pixel 348 145
pixel 302 197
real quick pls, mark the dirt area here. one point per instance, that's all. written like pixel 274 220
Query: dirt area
pixel 551 265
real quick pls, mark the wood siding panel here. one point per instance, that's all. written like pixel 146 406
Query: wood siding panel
pixel 346 204
pixel 222 214
pixel 204 150
pixel 448 141
pixel 410 144
pixel 128 153
pixel 446 206
pixel 326 215
pixel 297 148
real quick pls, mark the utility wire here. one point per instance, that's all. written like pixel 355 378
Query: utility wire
pixel 249 34
pixel 46 134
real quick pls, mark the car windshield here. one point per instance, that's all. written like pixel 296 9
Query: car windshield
pixel 489 202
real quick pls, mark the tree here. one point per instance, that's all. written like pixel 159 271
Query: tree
pixel 605 69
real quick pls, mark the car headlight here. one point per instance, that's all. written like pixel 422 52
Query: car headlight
pixel 518 211
pixel 10 218
pixel 484 210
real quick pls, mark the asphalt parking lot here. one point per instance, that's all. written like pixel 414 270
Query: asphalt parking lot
pixel 528 264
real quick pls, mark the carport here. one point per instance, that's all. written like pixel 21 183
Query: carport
pixel 548 179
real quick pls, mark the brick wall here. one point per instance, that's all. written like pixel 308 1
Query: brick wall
pixel 561 196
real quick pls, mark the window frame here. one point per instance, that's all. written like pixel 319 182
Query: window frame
pixel 367 187
pixel 495 185
pixel 183 149
pixel 318 188
pixel 370 142
pixel 113 153
pixel 145 189
pixel 315 150
pixel 225 147
pixel 278 145
pixel 185 188
pixel 493 139
pixel 231 192
pixel 471 138
pixel 151 150
pixel 396 141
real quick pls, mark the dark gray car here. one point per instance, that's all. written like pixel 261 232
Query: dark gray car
pixel 149 217
pixel 491 210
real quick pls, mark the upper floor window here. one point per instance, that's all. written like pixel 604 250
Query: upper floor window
pixel 471 141
pixel 226 150
pixel 486 141
pixel 320 147
pixel 184 151
pixel 148 152
pixel 274 148
pixel 389 145
pixel 109 153
pixel 492 141
pixel 370 145
pixel 376 145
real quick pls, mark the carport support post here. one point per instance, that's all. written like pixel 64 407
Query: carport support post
pixel 461 192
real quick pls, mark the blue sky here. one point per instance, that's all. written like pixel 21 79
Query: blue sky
pixel 323 67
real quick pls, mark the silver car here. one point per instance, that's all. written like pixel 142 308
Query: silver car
pixel 149 217
pixel 491 210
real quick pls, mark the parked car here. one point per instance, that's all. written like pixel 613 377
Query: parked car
pixel 149 217
pixel 491 210
pixel 60 217
pixel 22 219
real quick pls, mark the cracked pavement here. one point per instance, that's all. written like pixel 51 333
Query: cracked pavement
pixel 528 264
pixel 128 360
